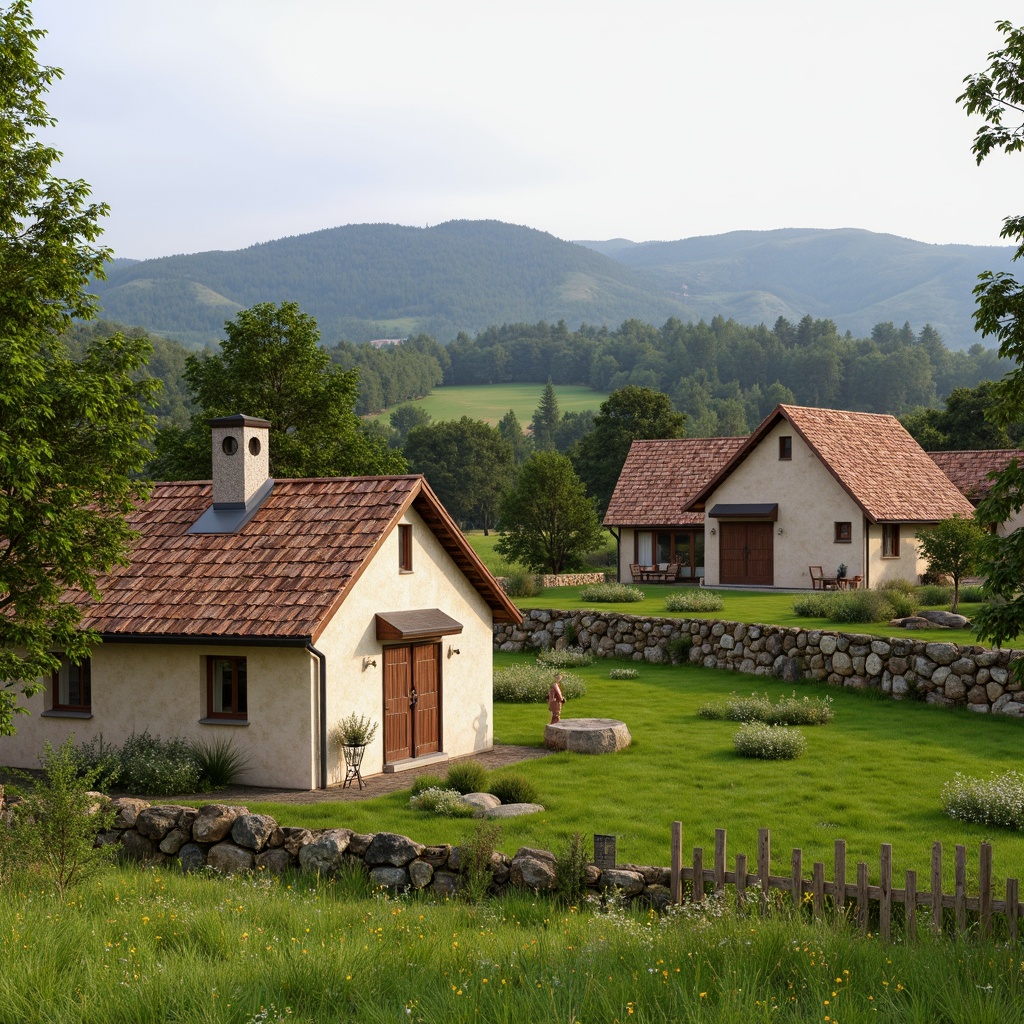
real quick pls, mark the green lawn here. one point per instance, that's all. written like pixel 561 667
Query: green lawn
pixel 874 775
pixel 490 402
pixel 604 558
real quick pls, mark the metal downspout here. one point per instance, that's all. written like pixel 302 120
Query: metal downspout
pixel 322 658
pixel 618 552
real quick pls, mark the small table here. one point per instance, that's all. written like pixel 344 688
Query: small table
pixel 848 583
pixel 353 762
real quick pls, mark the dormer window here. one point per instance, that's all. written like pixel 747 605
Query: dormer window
pixel 404 547
pixel 785 448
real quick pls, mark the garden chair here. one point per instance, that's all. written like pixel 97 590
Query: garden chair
pixel 819 581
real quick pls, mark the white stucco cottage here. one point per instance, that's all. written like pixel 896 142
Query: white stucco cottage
pixel 270 609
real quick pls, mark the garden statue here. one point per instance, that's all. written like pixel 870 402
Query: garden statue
pixel 555 700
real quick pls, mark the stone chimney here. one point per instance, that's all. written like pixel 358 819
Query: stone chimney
pixel 241 473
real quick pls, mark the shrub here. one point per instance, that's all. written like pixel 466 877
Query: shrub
pixel 997 800
pixel 447 803
pixel 514 789
pixel 521 583
pixel 571 871
pixel 818 604
pixel 467 777
pixel 606 592
pixel 529 684
pixel 353 730
pixel 899 586
pixel 623 673
pixel 102 758
pixel 934 594
pixel 55 826
pixel 566 657
pixel 759 708
pixel 679 649
pixel 157 767
pixel 769 742
pixel 477 854
pixel 855 605
pixel 426 781
pixel 695 600
pixel 220 762
pixel 901 605
pixel 569 632
pixel 974 593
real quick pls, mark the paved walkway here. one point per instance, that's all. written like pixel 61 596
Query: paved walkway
pixel 375 785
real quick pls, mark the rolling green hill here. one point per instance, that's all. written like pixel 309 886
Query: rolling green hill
pixel 366 281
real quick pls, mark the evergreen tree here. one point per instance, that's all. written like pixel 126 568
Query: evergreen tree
pixel 546 418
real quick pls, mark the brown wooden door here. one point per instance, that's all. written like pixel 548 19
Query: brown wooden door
pixel 412 701
pixel 397 699
pixel 746 553
pixel 426 726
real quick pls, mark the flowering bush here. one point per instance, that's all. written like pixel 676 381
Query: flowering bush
pixel 695 600
pixel 855 605
pixel 605 592
pixel 157 767
pixel 623 673
pixel 447 803
pixel 567 657
pixel 759 708
pixel 529 684
pixel 769 742
pixel 997 800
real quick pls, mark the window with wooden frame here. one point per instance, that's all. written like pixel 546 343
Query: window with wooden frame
pixel 72 686
pixel 404 547
pixel 226 695
pixel 844 533
pixel 890 540
pixel 786 448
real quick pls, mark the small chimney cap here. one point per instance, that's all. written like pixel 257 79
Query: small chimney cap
pixel 238 420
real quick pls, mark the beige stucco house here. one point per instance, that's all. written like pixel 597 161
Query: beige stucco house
pixel 810 487
pixel 268 610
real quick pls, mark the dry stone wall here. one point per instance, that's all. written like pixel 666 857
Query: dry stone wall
pixel 229 839
pixel 939 673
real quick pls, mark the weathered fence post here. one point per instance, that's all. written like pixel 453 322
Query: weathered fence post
pixel 985 887
pixel 676 869
pixel 885 902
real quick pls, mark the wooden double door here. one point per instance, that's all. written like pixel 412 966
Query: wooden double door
pixel 412 700
pixel 746 553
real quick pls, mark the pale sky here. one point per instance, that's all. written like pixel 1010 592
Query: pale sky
pixel 216 124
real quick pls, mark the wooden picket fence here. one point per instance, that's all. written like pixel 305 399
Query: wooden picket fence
pixel 852 898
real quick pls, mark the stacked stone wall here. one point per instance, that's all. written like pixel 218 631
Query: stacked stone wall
pixel 229 839
pixel 939 673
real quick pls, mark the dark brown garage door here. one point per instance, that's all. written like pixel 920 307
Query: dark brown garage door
pixel 746 554
pixel 412 701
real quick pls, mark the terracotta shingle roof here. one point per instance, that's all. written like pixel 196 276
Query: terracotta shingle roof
pixel 281 576
pixel 969 470
pixel 659 478
pixel 873 458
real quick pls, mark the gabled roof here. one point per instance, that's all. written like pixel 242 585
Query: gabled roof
pixel 281 576
pixel 659 478
pixel 969 470
pixel 872 457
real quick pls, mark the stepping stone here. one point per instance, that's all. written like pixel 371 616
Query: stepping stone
pixel 509 811
pixel 587 735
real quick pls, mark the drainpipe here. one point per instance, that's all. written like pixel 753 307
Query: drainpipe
pixel 322 658
pixel 618 552
pixel 867 550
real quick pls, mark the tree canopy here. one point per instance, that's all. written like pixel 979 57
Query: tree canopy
pixel 272 366
pixel 72 432
pixel 953 548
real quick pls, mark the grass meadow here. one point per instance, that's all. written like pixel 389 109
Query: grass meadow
pixel 144 946
pixel 490 402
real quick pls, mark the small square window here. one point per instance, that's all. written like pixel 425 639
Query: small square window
pixel 226 695
pixel 404 547
pixel 844 533
pixel 786 448
pixel 72 686
pixel 890 540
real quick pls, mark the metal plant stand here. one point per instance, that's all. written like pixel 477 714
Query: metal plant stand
pixel 353 762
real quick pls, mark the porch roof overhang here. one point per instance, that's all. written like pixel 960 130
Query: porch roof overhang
pixel 415 625
pixel 763 510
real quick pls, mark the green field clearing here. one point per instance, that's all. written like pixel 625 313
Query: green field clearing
pixel 604 557
pixel 875 775
pixel 490 402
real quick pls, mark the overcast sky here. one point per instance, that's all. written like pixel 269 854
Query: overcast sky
pixel 215 124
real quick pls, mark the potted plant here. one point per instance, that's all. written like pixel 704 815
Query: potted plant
pixel 352 733
pixel 841 571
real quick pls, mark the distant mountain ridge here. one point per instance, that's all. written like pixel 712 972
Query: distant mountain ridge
pixel 366 281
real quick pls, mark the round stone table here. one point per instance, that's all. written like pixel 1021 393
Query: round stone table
pixel 587 735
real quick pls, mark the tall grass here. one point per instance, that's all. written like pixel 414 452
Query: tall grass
pixel 146 946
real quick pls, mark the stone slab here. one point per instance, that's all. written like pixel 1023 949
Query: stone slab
pixel 587 735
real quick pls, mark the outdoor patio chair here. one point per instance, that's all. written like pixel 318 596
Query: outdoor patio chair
pixel 819 581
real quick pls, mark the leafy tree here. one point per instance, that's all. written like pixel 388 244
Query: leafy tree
pixel 953 548
pixel 546 418
pixel 963 426
pixel 573 426
pixel 467 463
pixel 510 429
pixel 272 366
pixel 405 418
pixel 72 432
pixel 1000 311
pixel 625 416
pixel 548 523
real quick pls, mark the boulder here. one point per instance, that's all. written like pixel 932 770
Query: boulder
pixel 420 873
pixel 912 622
pixel 229 858
pixel 481 801
pixel 533 869
pixel 445 883
pixel 510 811
pixel 948 619
pixel 214 821
pixel 253 831
pixel 295 839
pixel 389 877
pixel 391 848
pixel 276 861
pixel 587 735
pixel 156 822
pixel 192 857
pixel 325 854
pixel 629 883
pixel 126 810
